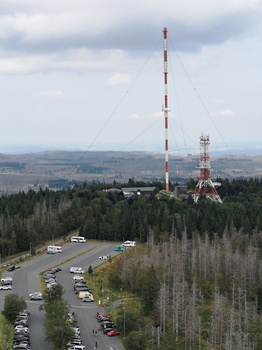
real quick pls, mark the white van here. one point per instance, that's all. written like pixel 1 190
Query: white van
pixel 129 244
pixel 54 249
pixel 78 239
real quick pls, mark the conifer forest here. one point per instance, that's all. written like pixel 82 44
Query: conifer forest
pixel 198 271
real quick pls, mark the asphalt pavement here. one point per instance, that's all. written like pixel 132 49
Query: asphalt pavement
pixel 26 280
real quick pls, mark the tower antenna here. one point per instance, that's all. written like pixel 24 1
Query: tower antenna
pixel 205 186
pixel 165 108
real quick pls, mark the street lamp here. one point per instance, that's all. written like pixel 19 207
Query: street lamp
pixel 30 250
pixel 102 288
pixel 124 322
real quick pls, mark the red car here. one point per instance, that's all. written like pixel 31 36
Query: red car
pixel 101 314
pixel 112 333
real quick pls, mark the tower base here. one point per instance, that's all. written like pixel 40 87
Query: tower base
pixel 205 187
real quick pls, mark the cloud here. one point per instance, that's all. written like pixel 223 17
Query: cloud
pixel 158 114
pixel 224 113
pixel 53 94
pixel 61 25
pixel 118 79
pixel 134 116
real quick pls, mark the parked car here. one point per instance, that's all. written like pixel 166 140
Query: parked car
pixel 49 274
pixel 77 347
pixel 81 289
pixel 76 270
pixel 87 299
pixel 76 330
pixel 49 286
pixel 56 269
pixel 22 333
pixel 101 314
pixel 108 325
pixel 104 318
pixel 6 282
pixel 105 257
pixel 20 338
pixel 22 346
pixel 7 279
pixel 24 314
pixel 6 286
pixel 36 296
pixel 22 330
pixel 18 327
pixel 77 278
pixel 74 342
pixel 22 317
pixel 113 333
pixel 11 268
pixel 21 322
pixel 107 330
pixel 79 284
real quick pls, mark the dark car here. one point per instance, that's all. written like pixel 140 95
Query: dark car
pixel 22 317
pixel 101 314
pixel 6 282
pixel 21 322
pixel 103 319
pixel 21 338
pixel 11 268
pixel 106 330
pixel 79 285
pixel 56 269
pixel 108 325
pixel 81 289
pixel 22 333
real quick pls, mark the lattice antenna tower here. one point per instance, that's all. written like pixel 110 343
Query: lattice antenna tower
pixel 205 186
pixel 165 109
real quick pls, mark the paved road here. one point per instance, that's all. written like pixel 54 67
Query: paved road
pixel 26 281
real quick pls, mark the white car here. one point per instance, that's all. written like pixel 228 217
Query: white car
pixel 76 270
pixel 78 278
pixel 49 286
pixel 87 299
pixel 77 347
pixel 76 330
pixel 129 244
pixel 105 257
pixel 19 326
pixel 6 287
pixel 22 346
pixel 36 296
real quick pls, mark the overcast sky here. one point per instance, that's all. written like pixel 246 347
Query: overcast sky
pixel 89 74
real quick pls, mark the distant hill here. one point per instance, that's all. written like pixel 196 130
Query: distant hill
pixel 19 172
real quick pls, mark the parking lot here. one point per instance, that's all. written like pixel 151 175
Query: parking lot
pixel 25 281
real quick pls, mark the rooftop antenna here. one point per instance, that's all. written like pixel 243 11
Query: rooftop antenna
pixel 165 108
pixel 205 186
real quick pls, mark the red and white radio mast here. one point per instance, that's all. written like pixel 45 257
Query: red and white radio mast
pixel 165 108
pixel 205 186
